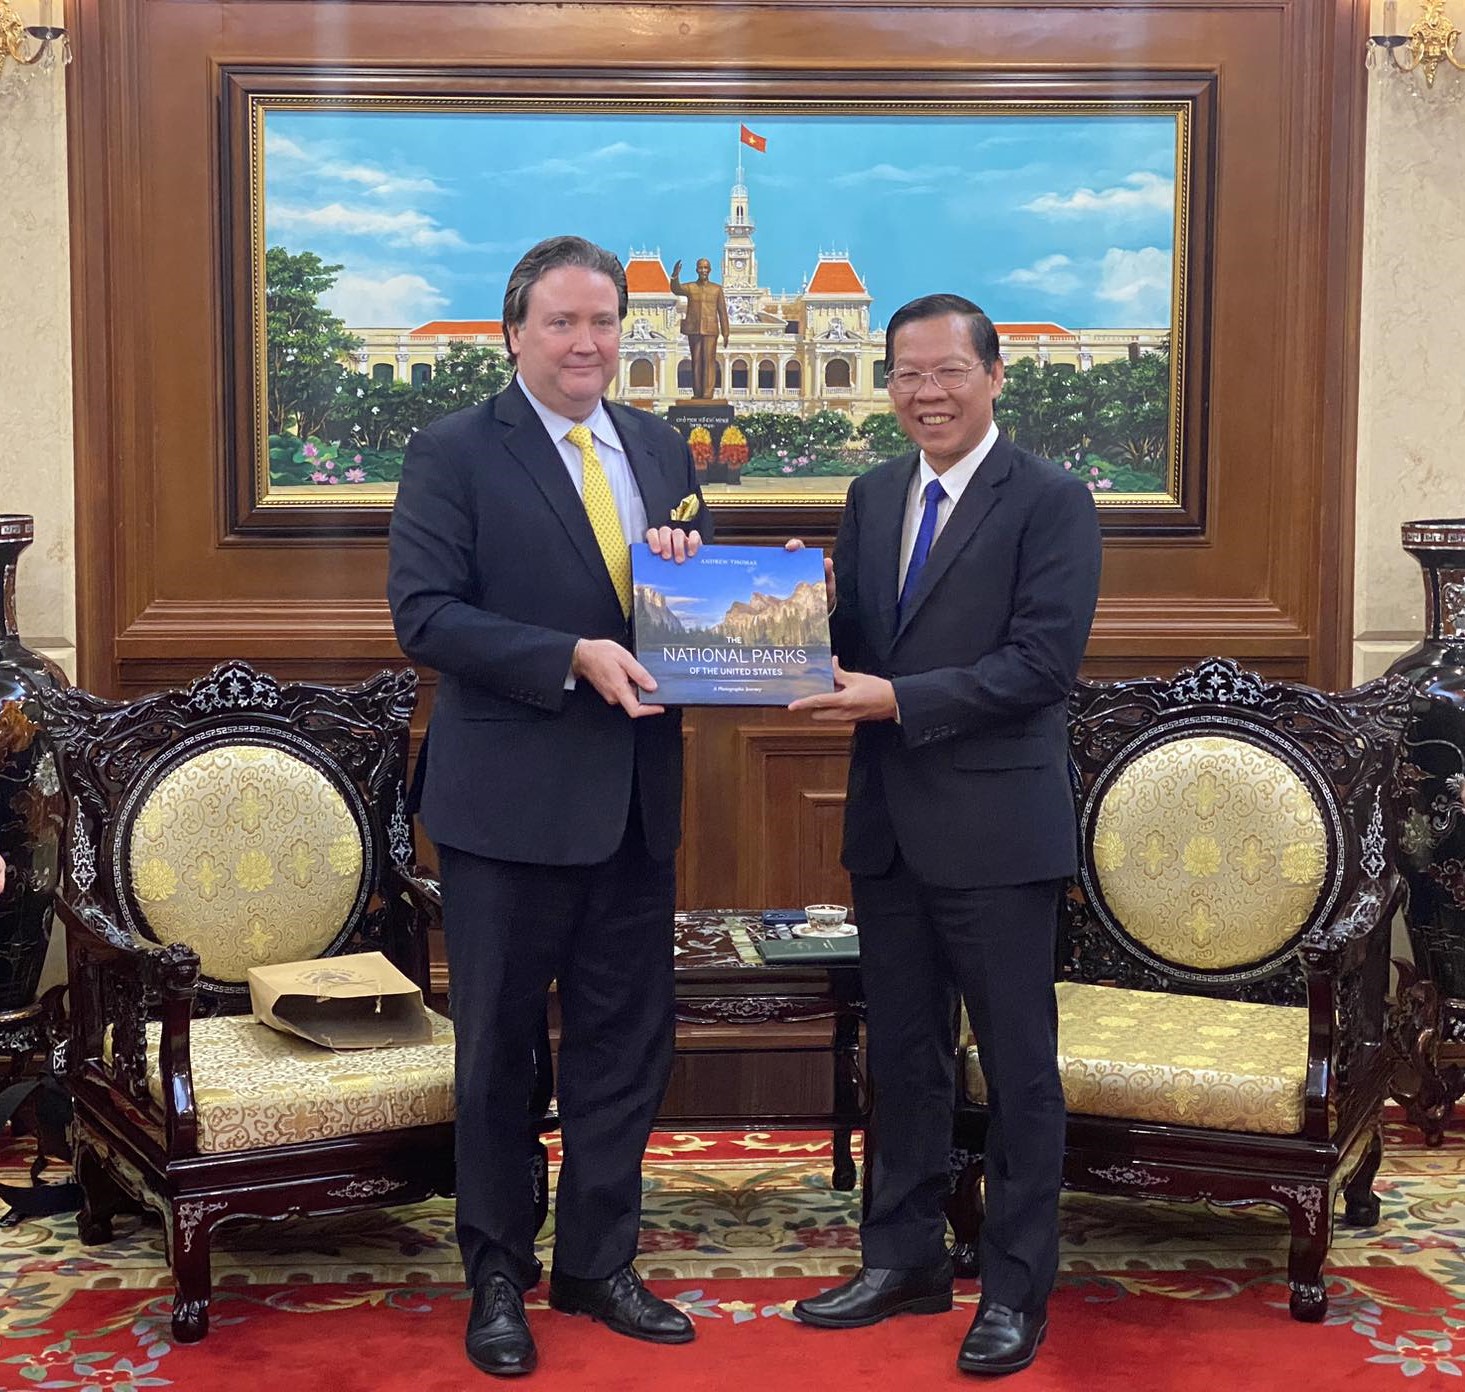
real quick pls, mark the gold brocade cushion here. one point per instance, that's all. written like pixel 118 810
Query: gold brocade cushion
pixel 249 856
pixel 1209 851
pixel 1187 1060
pixel 256 1086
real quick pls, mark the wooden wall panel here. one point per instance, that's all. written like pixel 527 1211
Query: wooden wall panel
pixel 164 589
pixel 791 799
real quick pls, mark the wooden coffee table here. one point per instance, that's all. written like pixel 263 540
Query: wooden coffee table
pixel 734 1003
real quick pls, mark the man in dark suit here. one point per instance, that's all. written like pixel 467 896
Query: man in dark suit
pixel 551 788
pixel 968 574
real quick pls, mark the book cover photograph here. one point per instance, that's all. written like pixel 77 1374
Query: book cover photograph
pixel 733 625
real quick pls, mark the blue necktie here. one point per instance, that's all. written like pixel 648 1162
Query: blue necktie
pixel 924 537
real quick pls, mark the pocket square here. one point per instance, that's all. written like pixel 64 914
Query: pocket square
pixel 686 510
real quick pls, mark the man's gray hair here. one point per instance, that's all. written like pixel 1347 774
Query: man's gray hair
pixel 547 256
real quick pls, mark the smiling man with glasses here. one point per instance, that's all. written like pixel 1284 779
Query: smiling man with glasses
pixel 904 381
pixel 967 574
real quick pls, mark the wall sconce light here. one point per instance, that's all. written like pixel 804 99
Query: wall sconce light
pixel 1431 41
pixel 29 44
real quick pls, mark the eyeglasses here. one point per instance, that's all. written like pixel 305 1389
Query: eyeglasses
pixel 907 381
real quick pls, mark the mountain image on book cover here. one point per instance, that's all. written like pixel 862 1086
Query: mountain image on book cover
pixel 733 625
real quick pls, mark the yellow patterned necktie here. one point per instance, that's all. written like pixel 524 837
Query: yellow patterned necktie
pixel 605 521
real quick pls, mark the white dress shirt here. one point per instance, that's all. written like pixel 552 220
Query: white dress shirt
pixel 953 482
pixel 629 507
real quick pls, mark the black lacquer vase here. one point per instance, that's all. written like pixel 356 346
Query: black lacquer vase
pixel 1432 771
pixel 31 809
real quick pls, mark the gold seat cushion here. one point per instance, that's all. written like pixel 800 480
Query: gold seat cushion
pixel 1185 1060
pixel 1209 851
pixel 249 856
pixel 258 1087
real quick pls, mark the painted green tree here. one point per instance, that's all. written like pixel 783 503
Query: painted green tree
pixel 467 374
pixel 329 424
pixel 381 416
pixel 1111 424
pixel 304 344
pixel 881 432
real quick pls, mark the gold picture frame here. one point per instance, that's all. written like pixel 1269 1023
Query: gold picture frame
pixel 274 487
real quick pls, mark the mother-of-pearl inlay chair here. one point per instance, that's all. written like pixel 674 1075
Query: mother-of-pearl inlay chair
pixel 234 823
pixel 1224 960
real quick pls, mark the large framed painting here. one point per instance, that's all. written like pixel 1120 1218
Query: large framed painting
pixel 373 223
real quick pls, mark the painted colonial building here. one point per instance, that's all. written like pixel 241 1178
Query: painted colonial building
pixel 799 352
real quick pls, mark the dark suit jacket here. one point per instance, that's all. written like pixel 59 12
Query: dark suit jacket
pixel 494 575
pixel 972 784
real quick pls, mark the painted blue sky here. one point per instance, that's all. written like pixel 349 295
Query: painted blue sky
pixel 725 574
pixel 1058 218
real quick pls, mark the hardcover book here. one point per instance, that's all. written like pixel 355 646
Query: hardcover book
pixel 822 952
pixel 733 625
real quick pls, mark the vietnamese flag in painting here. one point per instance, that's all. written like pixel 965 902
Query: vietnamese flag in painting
pixel 748 138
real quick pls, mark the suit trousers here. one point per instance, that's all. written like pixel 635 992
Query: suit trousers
pixel 921 948
pixel 604 933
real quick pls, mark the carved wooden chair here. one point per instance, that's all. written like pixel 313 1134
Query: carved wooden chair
pixel 235 823
pixel 1225 957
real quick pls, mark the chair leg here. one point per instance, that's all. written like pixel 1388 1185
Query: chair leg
pixel 101 1196
pixel 1310 1211
pixel 843 1175
pixel 1360 1203
pixel 848 1085
pixel 867 1171
pixel 189 1234
pixel 965 1210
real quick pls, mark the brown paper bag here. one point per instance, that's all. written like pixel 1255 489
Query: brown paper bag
pixel 359 1001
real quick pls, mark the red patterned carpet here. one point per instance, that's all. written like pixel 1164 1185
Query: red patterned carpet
pixel 1152 1296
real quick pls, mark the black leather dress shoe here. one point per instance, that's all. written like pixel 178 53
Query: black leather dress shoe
pixel 622 1303
pixel 1001 1340
pixel 874 1293
pixel 498 1339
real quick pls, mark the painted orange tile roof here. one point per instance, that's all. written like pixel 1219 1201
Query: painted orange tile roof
pixel 835 278
pixel 1031 329
pixel 645 275
pixel 458 328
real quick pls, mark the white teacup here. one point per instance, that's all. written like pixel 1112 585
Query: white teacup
pixel 825 920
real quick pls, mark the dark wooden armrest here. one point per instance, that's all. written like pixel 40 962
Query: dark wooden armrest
pixel 424 892
pixel 88 925
pixel 1332 951
pixel 1342 941
pixel 96 944
pixel 117 981
pixel 419 910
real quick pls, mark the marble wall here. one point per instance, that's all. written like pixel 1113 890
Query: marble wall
pixel 35 351
pixel 1411 387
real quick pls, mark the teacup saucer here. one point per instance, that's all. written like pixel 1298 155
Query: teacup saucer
pixel 812 930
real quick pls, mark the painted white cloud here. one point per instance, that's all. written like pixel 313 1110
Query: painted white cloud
pixel 1050 275
pixel 1137 283
pixel 921 178
pixel 377 181
pixel 584 165
pixel 282 147
pixel 992 142
pixel 1136 193
pixel 402 299
pixel 406 228
pixel 617 149
pixel 303 161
